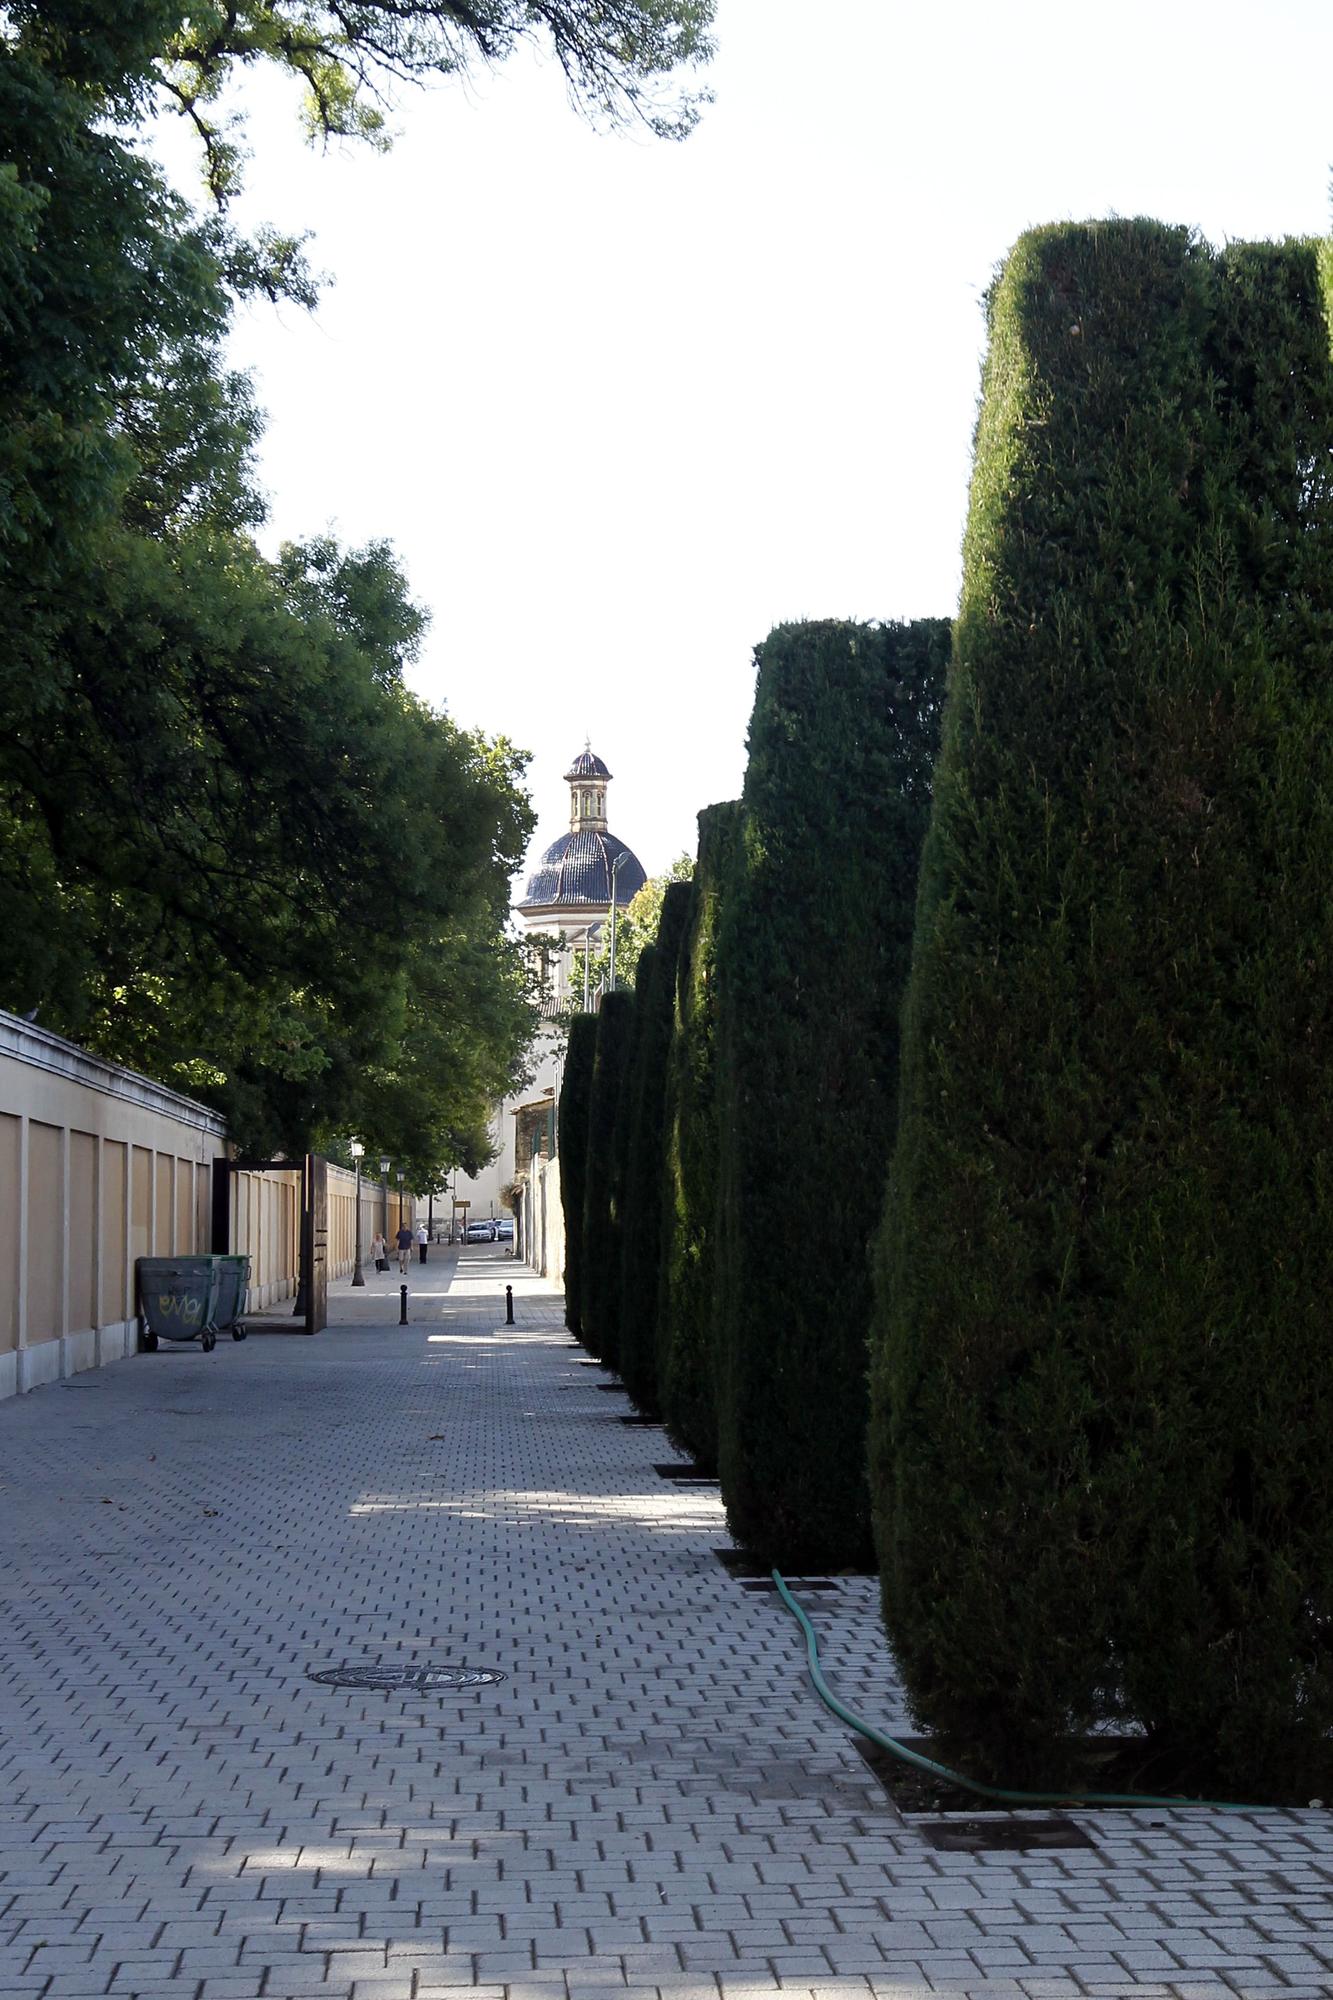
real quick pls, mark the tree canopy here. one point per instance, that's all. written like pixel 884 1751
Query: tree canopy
pixel 235 849
pixel 636 926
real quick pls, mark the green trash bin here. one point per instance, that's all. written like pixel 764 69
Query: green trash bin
pixel 233 1280
pixel 177 1299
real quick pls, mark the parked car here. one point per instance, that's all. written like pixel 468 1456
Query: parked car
pixel 504 1230
pixel 479 1232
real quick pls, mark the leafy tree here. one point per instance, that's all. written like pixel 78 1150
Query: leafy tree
pixel 636 926
pixel 212 772
pixel 621 59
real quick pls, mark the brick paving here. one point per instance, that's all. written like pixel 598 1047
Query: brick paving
pixel 652 1801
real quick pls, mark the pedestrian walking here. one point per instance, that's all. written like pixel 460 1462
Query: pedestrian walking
pixel 423 1238
pixel 404 1249
pixel 379 1251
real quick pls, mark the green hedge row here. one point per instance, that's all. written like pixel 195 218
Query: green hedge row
pixel 1101 1357
pixel 1104 1354
pixel 572 1140
pixel 812 956
pixel 599 1307
pixel 645 1126
pixel 686 1301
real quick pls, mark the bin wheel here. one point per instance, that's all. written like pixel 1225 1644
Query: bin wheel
pixel 149 1343
pixel 238 1333
pixel 208 1341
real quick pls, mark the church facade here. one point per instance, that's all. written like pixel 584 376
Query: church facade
pixel 565 909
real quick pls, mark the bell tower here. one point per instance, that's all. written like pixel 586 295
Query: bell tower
pixel 587 778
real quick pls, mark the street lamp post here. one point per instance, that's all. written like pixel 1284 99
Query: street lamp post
pixel 356 1149
pixel 384 1200
pixel 615 870
pixel 401 1178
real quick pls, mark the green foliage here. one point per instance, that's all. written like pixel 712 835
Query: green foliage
pixel 572 1128
pixel 636 926
pixel 812 958
pixel 1104 1364
pixel 599 1290
pixel 211 771
pixel 686 1368
pixel 619 60
pixel 644 1123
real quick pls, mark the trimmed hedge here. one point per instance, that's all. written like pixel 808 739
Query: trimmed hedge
pixel 641 1235
pixel 687 1304
pixel 575 1099
pixel 599 1288
pixel 812 957
pixel 1104 1350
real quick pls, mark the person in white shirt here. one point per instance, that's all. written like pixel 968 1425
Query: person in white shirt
pixel 423 1238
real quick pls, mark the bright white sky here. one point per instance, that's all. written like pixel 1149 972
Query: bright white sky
pixel 622 406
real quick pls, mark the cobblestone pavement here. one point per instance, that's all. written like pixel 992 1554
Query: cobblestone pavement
pixel 651 1801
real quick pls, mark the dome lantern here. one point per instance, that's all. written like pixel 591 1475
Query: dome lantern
pixel 587 778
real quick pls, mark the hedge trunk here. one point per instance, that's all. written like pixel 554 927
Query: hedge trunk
pixel 575 1098
pixel 655 990
pixel 599 1286
pixel 812 958
pixel 1104 1367
pixel 686 1304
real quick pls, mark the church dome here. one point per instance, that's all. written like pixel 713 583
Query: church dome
pixel 577 869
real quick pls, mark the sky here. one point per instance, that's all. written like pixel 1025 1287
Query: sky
pixel 623 405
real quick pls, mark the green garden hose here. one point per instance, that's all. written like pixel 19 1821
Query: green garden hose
pixel 999 1793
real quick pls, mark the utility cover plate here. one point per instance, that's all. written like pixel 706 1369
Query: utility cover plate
pixel 977 1836
pixel 686 1475
pixel 641 1423
pixel 413 1677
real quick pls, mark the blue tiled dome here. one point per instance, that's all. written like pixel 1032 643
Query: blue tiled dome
pixel 586 765
pixel 577 868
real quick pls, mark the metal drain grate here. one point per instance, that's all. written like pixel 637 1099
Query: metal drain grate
pixel 686 1475
pixel 641 1423
pixel 977 1836
pixel 422 1678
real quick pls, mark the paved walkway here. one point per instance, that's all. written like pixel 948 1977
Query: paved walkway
pixel 652 1799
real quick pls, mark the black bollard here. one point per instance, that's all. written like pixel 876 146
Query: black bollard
pixel 509 1305
pixel 402 1305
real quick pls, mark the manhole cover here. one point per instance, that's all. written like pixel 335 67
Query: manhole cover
pixel 422 1678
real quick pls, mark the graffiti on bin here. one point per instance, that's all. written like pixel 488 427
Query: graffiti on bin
pixel 179 1305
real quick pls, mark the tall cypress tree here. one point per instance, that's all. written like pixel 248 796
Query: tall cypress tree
pixel 599 1288
pixel 812 959
pixel 1104 1364
pixel 686 1304
pixel 655 992
pixel 575 1102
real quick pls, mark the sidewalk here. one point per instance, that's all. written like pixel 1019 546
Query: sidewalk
pixel 651 1800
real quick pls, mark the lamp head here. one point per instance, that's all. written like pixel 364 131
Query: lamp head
pixel 355 1148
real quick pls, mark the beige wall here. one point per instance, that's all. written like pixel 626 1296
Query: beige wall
pixel 96 1165
pixel 543 1221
